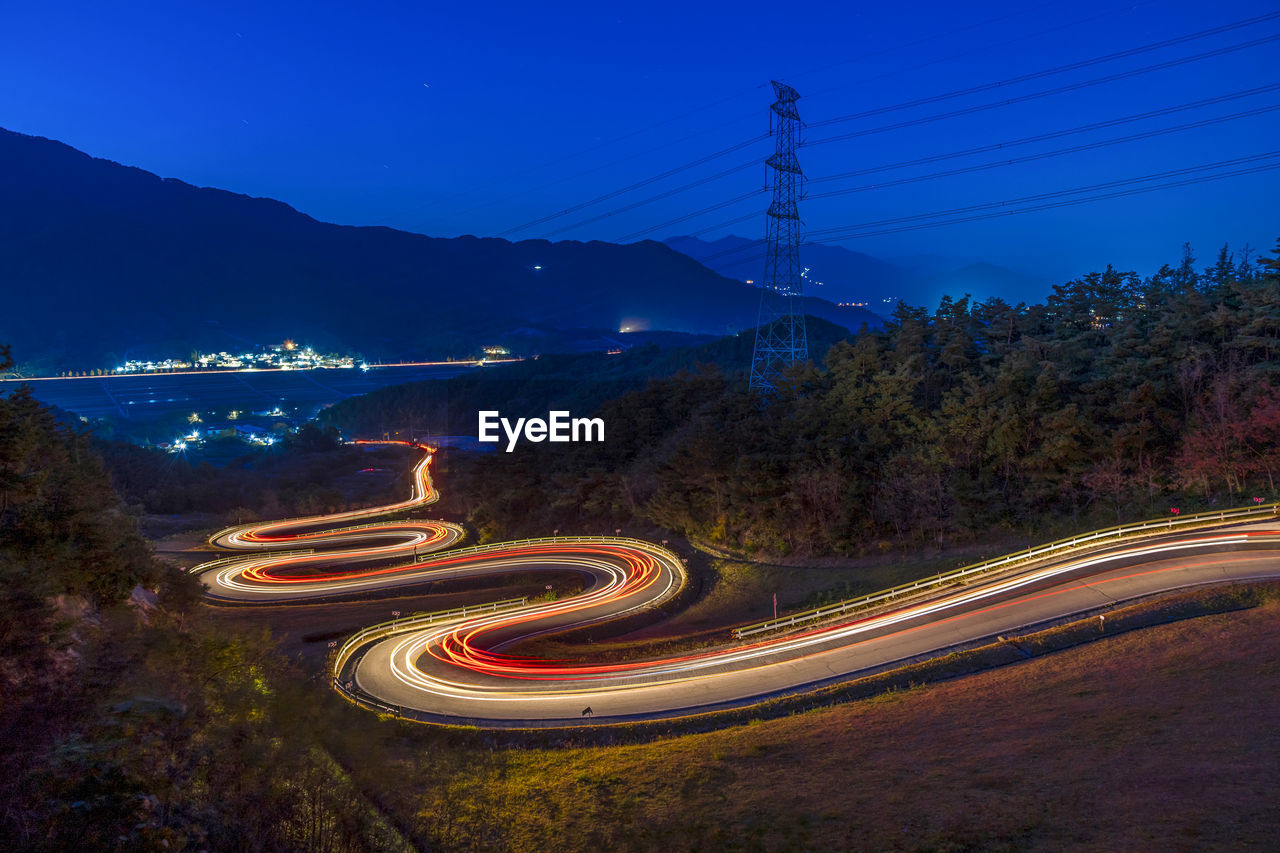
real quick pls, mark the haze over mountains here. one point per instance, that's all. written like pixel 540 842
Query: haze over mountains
pixel 100 262
pixel 845 275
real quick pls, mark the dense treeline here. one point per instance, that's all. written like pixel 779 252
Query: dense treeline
pixel 310 472
pixel 129 722
pixel 1118 397
pixel 578 383
pixel 56 504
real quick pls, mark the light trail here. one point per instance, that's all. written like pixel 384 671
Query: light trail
pixel 458 670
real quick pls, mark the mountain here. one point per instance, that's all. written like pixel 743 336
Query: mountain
pixel 100 262
pixel 983 280
pixel 579 382
pixel 846 276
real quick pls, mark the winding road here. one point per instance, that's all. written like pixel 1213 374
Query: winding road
pixel 460 670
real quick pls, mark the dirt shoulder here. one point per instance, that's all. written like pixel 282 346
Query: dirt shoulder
pixel 1162 738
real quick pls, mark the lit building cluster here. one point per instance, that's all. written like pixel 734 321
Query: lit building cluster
pixel 153 366
pixel 271 427
pixel 286 356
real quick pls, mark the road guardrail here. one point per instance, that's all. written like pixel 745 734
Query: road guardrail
pixel 1060 546
pixel 471 550
pixel 249 555
pixel 432 496
pixel 407 623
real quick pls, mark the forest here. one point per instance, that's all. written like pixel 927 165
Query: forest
pixel 131 721
pixel 1118 397
pixel 311 471
pixel 578 382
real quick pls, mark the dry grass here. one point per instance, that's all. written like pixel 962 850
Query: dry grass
pixel 1158 739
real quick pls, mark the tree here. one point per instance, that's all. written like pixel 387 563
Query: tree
pixel 1271 266
pixel 311 438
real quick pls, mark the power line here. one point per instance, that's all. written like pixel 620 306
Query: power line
pixel 701 161
pixel 692 215
pixel 1044 93
pixel 724 224
pixel 665 194
pixel 754 245
pixel 983 49
pixel 897 49
pixel 1043 196
pixel 1048 72
pixel 884 51
pixel 977 108
pixel 966 152
pixel 1066 203
pixel 1123 193
pixel 1050 205
pixel 1047 154
pixel 1044 137
pixel 615 193
pixel 561 179
pixel 985 166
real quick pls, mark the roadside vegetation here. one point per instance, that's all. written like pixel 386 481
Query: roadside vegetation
pixel 129 721
pixel 1119 398
pixel 311 472
pixel 135 719
pixel 1160 738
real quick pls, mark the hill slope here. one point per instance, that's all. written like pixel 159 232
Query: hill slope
pixel 844 275
pixel 101 261
pixel 580 383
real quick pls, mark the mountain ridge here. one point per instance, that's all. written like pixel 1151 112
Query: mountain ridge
pixel 116 257
pixel 847 276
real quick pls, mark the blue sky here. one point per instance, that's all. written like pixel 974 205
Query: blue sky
pixel 458 118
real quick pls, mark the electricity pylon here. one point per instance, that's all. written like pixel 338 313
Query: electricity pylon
pixel 780 335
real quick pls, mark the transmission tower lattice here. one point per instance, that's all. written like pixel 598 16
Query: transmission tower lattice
pixel 780 335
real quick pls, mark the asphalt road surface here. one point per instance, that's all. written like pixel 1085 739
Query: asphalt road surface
pixel 466 670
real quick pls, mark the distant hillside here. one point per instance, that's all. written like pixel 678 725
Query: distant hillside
pixel 100 262
pixel 578 383
pixel 983 279
pixel 843 275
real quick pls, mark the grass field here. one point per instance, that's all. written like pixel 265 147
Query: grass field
pixel 1165 738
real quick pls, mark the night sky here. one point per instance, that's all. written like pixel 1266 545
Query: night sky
pixel 473 118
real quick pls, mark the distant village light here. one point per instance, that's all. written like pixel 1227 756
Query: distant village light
pixel 286 356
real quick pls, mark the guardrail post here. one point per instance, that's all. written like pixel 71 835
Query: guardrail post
pixel 1060 546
